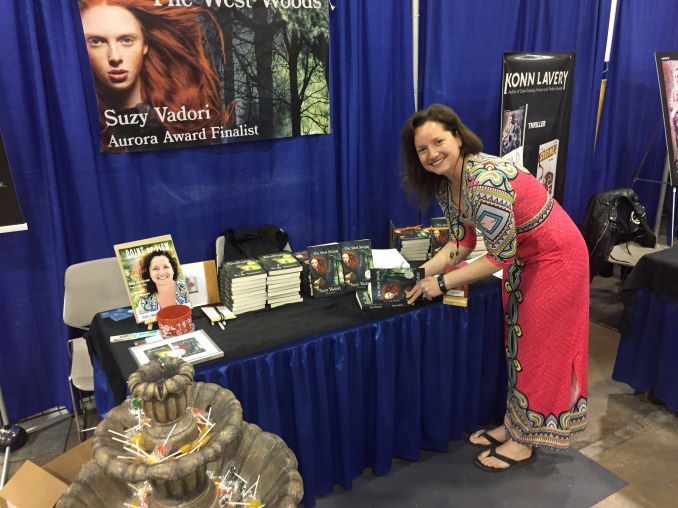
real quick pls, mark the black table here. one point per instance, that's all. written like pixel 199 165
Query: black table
pixel 648 348
pixel 345 388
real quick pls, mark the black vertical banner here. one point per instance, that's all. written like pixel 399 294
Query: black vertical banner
pixel 536 107
pixel 667 70
pixel 11 218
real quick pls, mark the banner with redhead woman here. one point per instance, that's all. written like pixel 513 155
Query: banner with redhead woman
pixel 181 73
pixel 153 276
pixel 667 69
pixel 536 105
pixel 11 218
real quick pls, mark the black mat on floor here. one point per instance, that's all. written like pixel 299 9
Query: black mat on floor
pixel 451 479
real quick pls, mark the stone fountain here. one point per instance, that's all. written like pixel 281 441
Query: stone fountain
pixel 176 453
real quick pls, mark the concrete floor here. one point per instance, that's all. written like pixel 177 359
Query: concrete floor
pixel 629 434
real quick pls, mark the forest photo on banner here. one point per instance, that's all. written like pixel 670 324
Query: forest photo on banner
pixel 172 74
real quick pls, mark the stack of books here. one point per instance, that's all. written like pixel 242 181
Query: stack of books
pixel 283 280
pixel 388 287
pixel 412 242
pixel 242 285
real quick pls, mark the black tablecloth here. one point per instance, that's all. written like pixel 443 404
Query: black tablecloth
pixel 656 273
pixel 248 334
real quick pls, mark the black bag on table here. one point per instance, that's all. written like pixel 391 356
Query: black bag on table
pixel 613 217
pixel 252 242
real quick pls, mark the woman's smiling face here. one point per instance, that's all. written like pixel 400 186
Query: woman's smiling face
pixel 438 149
pixel 161 271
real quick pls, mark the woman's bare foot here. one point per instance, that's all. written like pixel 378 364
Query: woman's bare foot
pixel 510 449
pixel 478 439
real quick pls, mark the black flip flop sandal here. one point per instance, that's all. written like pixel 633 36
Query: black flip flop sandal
pixel 512 463
pixel 486 435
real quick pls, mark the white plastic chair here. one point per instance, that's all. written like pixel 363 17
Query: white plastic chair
pixel 92 287
pixel 89 288
pixel 80 379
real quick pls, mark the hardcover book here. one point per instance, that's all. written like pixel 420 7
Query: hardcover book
pixel 440 234
pixel 325 271
pixel 365 300
pixel 356 261
pixel 280 263
pixel 242 271
pixel 306 286
pixel 284 281
pixel 153 276
pixel 388 286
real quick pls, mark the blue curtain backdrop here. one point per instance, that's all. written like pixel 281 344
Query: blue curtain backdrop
pixel 461 60
pixel 78 202
pixel 631 124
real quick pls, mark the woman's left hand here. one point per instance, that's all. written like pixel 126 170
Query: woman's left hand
pixel 427 288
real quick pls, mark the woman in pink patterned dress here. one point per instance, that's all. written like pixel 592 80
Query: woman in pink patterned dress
pixel 545 282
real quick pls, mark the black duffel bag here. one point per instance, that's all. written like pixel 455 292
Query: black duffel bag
pixel 252 242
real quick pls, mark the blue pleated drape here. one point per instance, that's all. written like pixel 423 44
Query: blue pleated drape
pixel 461 52
pixel 647 354
pixel 355 398
pixel 78 203
pixel 631 125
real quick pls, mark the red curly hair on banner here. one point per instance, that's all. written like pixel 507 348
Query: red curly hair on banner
pixel 176 70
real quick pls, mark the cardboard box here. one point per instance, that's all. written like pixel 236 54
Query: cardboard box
pixel 33 486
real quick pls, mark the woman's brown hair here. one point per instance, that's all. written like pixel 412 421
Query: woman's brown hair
pixel 416 181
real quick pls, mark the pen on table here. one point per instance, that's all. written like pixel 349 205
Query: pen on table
pixel 221 316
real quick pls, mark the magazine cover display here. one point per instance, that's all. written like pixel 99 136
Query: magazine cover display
pixel 325 270
pixel 356 261
pixel 667 70
pixel 388 287
pixel 192 73
pixel 152 275
pixel 194 347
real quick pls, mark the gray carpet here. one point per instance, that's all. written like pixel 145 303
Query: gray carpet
pixel 451 480
pixel 606 307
